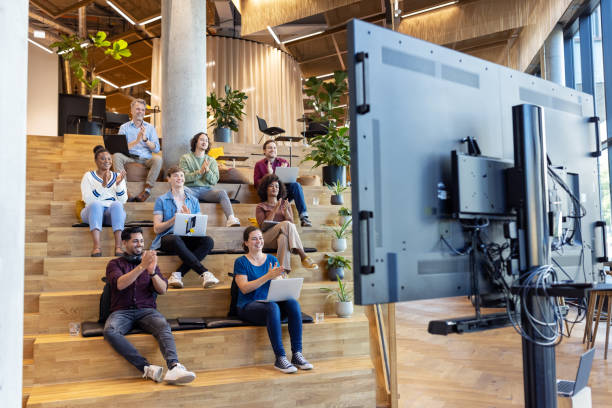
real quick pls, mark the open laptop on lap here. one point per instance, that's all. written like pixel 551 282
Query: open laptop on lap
pixel 116 144
pixel 190 225
pixel 284 289
pixel 287 174
pixel 571 388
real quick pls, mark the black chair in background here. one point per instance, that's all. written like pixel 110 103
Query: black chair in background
pixel 315 129
pixel 270 131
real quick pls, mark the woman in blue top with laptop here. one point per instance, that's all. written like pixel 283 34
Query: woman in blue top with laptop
pixel 190 249
pixel 253 273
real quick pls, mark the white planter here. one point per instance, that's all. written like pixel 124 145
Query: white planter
pixel 344 309
pixel 338 245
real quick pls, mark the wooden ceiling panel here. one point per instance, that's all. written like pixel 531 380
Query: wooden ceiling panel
pixel 313 49
pixel 125 76
pixel 143 66
pixel 118 103
pixel 356 10
pixel 320 67
pixel 141 10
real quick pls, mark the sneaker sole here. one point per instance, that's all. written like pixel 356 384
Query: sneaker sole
pixel 182 380
pixel 175 285
pixel 303 367
pixel 287 370
pixel 210 284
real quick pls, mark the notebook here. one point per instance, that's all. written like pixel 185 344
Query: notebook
pixel 284 289
pixel 571 388
pixel 287 174
pixel 190 225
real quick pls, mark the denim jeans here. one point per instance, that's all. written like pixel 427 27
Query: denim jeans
pixel 150 320
pixel 95 214
pixel 191 250
pixel 271 315
pixel 208 195
pixel 295 193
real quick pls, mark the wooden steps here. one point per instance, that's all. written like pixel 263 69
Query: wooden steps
pixel 63 213
pixel 28 372
pixel 72 273
pixel 57 309
pixel 64 358
pixel 68 241
pixel 347 382
pixel 30 302
pixel 30 323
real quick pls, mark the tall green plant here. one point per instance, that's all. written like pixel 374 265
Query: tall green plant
pixel 333 148
pixel 228 111
pixel 342 292
pixel 342 231
pixel 83 64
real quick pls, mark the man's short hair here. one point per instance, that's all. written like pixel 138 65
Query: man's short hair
pixel 267 143
pixel 126 234
pixel 194 141
pixel 138 100
pixel 172 170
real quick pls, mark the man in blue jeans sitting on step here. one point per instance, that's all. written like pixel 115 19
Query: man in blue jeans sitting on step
pixel 135 281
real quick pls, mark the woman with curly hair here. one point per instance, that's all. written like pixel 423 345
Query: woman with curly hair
pixel 275 218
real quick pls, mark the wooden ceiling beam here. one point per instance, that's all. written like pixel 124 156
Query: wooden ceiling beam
pixel 38 17
pixel 128 62
pixel 338 53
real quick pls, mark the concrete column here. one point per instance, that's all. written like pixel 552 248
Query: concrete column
pixel 13 107
pixel 183 75
pixel 554 56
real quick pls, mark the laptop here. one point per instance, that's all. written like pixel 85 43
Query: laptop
pixel 287 174
pixel 190 225
pixel 284 289
pixel 571 388
pixel 116 144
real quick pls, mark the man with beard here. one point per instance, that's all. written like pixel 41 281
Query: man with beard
pixel 135 281
pixel 142 142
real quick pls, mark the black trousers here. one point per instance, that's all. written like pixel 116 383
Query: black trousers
pixel 191 250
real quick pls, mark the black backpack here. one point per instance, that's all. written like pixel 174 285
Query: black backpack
pixel 233 310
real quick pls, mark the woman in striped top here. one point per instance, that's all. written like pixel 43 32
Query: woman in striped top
pixel 104 193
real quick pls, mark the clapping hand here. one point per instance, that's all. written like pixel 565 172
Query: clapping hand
pixel 270 169
pixel 205 167
pixel 121 176
pixel 275 271
pixel 185 209
pixel 285 164
pixel 141 134
pixel 147 259
pixel 285 207
pixel 106 177
pixel 153 263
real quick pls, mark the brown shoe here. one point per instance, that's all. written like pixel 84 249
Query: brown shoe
pixel 142 197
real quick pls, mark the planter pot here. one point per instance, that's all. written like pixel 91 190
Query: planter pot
pixel 337 199
pixel 344 309
pixel 331 174
pixel 344 218
pixel 338 245
pixel 223 134
pixel 334 273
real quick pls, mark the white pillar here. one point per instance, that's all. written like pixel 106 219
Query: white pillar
pixel 555 57
pixel 156 85
pixel 183 75
pixel 13 107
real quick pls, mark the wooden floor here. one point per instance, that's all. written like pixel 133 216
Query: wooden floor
pixel 477 369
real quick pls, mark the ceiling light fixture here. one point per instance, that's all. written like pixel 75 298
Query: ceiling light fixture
pixel 302 37
pixel 106 81
pixel 41 46
pixel 39 34
pixel 151 20
pixel 414 13
pixel 148 93
pixel 134 84
pixel 99 96
pixel 121 13
pixel 325 75
pixel 273 34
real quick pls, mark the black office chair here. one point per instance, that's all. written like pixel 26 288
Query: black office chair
pixel 315 129
pixel 270 131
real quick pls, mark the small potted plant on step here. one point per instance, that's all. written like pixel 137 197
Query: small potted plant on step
pixel 340 233
pixel 337 189
pixel 344 214
pixel 344 295
pixel 226 112
pixel 336 265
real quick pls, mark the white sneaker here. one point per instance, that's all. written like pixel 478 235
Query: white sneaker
pixel 153 372
pixel 176 280
pixel 179 375
pixel 209 280
pixel 232 221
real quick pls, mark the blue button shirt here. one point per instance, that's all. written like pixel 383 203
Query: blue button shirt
pixel 242 266
pixel 166 206
pixel 131 133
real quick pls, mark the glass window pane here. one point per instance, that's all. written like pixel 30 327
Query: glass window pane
pixel 577 66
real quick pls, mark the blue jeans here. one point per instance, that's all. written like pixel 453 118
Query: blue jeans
pixel 208 195
pixel 150 320
pixel 271 314
pixel 95 214
pixel 295 193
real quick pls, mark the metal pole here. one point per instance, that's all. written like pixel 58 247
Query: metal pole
pixel 539 377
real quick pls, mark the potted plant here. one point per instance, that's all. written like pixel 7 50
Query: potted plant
pixel 331 150
pixel 336 265
pixel 83 63
pixel 344 214
pixel 226 112
pixel 344 296
pixel 340 233
pixel 337 189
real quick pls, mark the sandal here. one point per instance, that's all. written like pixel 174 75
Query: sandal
pixel 309 263
pixel 119 251
pixel 96 253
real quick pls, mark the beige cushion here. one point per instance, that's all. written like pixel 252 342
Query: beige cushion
pixel 234 176
pixel 309 180
pixel 136 172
